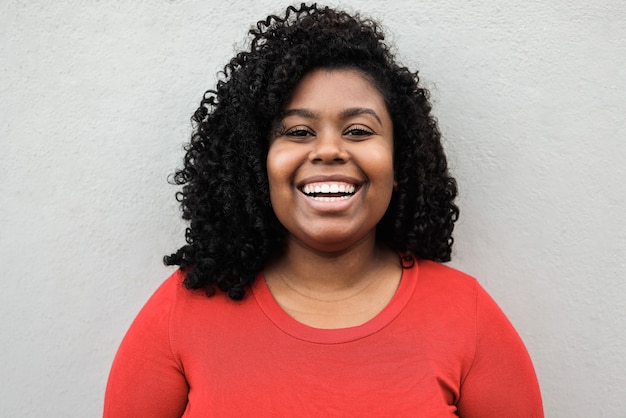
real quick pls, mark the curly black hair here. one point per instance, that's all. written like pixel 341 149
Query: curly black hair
pixel 232 230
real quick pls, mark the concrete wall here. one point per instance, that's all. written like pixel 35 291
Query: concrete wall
pixel 95 101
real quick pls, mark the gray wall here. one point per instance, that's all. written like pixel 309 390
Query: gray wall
pixel 95 101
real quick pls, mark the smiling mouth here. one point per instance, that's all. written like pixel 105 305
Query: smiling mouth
pixel 329 192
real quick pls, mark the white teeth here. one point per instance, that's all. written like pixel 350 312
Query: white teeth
pixel 330 199
pixel 325 188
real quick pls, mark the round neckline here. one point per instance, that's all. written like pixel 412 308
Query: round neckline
pixel 304 332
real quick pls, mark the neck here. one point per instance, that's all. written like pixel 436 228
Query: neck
pixel 334 290
pixel 331 275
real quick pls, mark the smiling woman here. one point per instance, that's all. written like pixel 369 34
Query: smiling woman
pixel 320 208
pixel 325 141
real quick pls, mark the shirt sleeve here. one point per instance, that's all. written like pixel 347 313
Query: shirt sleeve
pixel 146 380
pixel 501 381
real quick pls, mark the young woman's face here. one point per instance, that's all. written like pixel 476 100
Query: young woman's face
pixel 330 161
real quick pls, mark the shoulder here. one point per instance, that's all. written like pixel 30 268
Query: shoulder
pixel 444 305
pixel 447 288
pixel 456 302
pixel 173 293
pixel 456 298
pixel 189 315
pixel 176 310
pixel 436 278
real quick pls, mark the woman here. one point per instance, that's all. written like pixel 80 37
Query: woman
pixel 320 207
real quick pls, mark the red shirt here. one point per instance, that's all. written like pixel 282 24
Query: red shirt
pixel 441 348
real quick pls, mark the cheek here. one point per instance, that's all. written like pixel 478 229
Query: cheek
pixel 273 165
pixel 279 172
pixel 380 161
pixel 386 177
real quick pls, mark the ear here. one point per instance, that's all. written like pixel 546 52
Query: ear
pixel 395 185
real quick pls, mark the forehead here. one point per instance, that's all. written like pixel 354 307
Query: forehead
pixel 330 88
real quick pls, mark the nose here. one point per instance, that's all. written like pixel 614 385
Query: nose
pixel 329 147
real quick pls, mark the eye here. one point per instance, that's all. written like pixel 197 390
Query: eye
pixel 298 132
pixel 358 131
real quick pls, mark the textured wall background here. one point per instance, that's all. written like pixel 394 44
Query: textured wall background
pixel 95 100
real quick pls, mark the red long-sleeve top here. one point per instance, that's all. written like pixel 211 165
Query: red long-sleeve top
pixel 441 348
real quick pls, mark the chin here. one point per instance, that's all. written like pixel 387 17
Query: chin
pixel 332 242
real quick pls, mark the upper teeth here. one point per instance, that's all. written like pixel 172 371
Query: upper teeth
pixel 329 188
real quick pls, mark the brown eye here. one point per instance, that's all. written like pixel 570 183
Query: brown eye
pixel 298 132
pixel 358 131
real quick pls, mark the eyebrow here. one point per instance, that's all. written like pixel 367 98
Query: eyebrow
pixel 347 113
